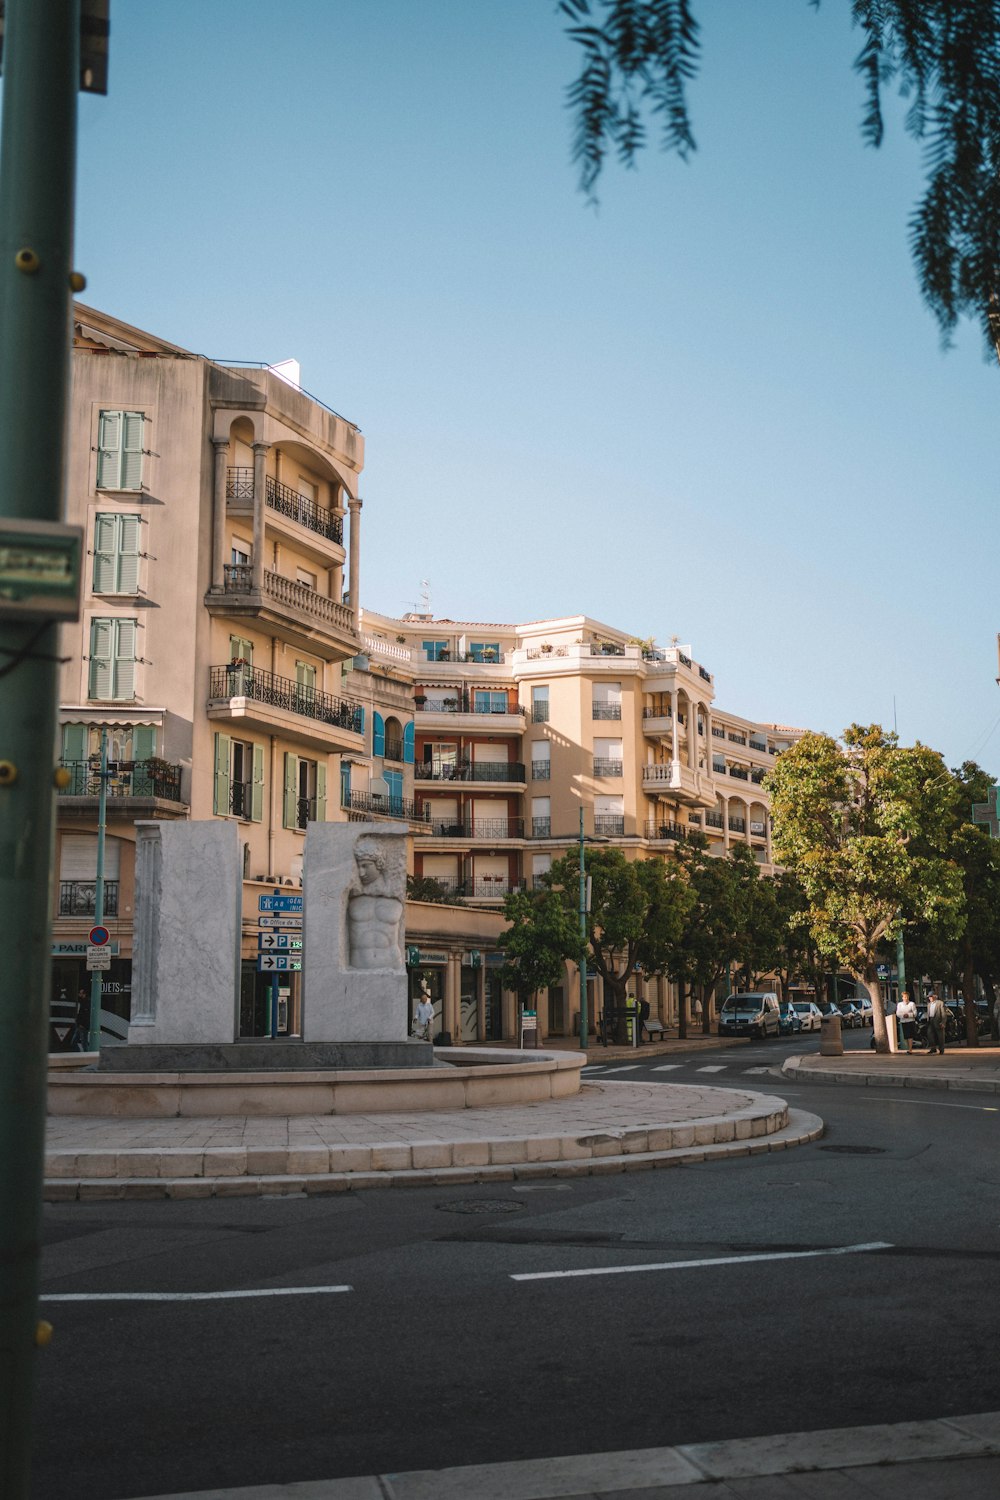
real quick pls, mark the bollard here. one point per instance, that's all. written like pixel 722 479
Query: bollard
pixel 830 1043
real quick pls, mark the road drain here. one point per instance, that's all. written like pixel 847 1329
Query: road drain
pixel 855 1150
pixel 481 1206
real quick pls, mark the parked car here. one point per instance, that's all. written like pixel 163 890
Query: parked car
pixel 863 1004
pixel 790 1020
pixel 851 1013
pixel 750 1014
pixel 809 1014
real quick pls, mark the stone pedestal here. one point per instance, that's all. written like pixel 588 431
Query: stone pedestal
pixel 186 965
pixel 354 972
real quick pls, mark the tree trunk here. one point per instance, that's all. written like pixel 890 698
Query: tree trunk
pixel 682 1025
pixel 969 996
pixel 991 995
pixel 706 1018
pixel 880 1031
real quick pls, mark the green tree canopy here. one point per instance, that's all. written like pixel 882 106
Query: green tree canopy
pixel 541 935
pixel 865 826
pixel 943 56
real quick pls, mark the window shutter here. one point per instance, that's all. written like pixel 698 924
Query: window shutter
pixel 257 790
pixel 345 783
pixel 109 442
pixel 394 786
pixel 361 719
pixel 127 581
pixel 124 662
pixel 409 739
pixel 104 554
pixel 378 734
pixel 131 466
pixel 74 742
pixel 220 796
pixel 320 791
pixel 143 741
pixel 100 659
pixel 291 790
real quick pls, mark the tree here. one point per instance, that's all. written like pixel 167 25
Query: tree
pixel 944 56
pixel 541 936
pixel 719 913
pixel 866 826
pixel 636 915
pixel 425 888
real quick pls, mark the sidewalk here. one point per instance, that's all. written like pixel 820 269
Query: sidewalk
pixel 966 1068
pixel 608 1126
pixel 934 1460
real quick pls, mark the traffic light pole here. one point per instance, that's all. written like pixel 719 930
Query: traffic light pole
pixel 41 65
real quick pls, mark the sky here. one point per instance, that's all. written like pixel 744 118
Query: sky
pixel 712 408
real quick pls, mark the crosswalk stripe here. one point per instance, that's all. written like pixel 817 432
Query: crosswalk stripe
pixel 714 1068
pixel 622 1068
pixel 667 1067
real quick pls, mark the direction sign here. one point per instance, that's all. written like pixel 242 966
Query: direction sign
pixel 279 903
pixel 285 921
pixel 268 942
pixel 98 957
pixel 276 963
pixel 99 936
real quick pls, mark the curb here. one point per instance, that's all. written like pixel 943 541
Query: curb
pixel 651 1470
pixel 804 1070
pixel 796 1128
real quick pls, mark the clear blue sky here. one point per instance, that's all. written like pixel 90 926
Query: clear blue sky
pixel 716 408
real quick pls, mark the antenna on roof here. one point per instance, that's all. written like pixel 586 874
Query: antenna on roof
pixel 424 606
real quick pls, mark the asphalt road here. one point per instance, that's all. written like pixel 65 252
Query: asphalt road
pixel 436 1356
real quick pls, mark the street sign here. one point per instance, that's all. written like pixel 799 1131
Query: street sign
pixel 277 963
pixel 285 922
pixel 99 936
pixel 268 942
pixel 279 903
pixel 98 957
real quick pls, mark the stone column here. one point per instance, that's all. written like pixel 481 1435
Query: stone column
pixel 221 446
pixel 260 451
pixel 452 1010
pixel 508 1006
pixel 692 733
pixel 673 724
pixel 725 823
pixel 355 561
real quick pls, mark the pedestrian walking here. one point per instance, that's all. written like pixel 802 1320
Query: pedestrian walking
pixel 81 1031
pixel 936 1017
pixel 425 1012
pixel 643 1018
pixel 906 1015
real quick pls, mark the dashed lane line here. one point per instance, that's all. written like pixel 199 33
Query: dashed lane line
pixel 690 1265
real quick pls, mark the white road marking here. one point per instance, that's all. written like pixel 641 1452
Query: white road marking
pixel 667 1067
pixel 714 1068
pixel 687 1265
pixel 270 1291
pixel 623 1068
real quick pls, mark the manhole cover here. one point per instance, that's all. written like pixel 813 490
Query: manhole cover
pixel 855 1150
pixel 481 1206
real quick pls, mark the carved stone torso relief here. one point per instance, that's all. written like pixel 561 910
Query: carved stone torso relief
pixel 375 907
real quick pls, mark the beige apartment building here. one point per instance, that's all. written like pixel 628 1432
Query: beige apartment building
pixel 521 728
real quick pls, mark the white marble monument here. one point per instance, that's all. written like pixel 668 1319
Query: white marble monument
pixel 186 964
pixel 354 974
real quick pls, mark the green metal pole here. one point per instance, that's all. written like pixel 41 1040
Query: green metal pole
pixel 37 170
pixel 97 977
pixel 900 976
pixel 584 1027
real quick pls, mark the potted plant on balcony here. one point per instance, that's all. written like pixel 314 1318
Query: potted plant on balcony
pixel 449 703
pixel 420 699
pixel 489 654
pixel 545 648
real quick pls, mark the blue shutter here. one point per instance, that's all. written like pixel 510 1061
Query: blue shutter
pixel 345 783
pixel 378 734
pixel 409 740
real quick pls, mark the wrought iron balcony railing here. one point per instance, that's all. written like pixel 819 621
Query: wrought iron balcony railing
pixel 78 898
pixel 608 766
pixel 283 692
pixel 385 807
pixel 665 831
pixel 738 825
pixel 541 828
pixel 541 770
pixel 288 502
pixel 539 713
pixel 126 778
pixel 393 750
pixel 484 770
pixel 465 704
pixel 606 710
pixel 714 820
pixel 740 772
pixel 612 824
pixel 239 482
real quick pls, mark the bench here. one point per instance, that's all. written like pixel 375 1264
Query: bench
pixel 654 1028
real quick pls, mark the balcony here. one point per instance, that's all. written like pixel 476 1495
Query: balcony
pixel 475 828
pixel 758 745
pixel 489 887
pixel 485 770
pixel 714 820
pixel 292 610
pixel 675 779
pixel 740 773
pixel 372 804
pixel 612 825
pixel 757 777
pixel 393 750
pixel 737 825
pixel 541 770
pixel 541 828
pixel 758 830
pixel 658 832
pixel 142 780
pixel 608 766
pixel 288 502
pixel 737 739
pixel 251 696
pixel 502 715
pixel 606 710
pixel 78 898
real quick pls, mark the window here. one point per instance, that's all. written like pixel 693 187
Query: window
pixel 239 553
pixel 112 659
pixel 541 864
pixel 239 779
pixel 116 554
pixel 305 792
pixel 607 702
pixel 609 815
pixel 541 760
pixel 303 576
pixel 490 703
pixel 608 757
pixel 119 450
pixel 484 650
pixel 540 704
pixel 394 789
pixel 541 817
pixel 443 760
pixel 437 650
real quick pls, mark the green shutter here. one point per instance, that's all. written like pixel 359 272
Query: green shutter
pixel 74 742
pixel 105 537
pixel 109 443
pixel 321 791
pixel 100 684
pixel 257 794
pixel 131 466
pixel 124 663
pixel 291 790
pixel 220 798
pixel 143 741
pixel 378 734
pixel 409 739
pixel 127 581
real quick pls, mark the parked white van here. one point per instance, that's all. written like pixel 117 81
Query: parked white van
pixel 750 1014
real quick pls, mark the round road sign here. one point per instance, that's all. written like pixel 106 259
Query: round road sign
pixel 99 936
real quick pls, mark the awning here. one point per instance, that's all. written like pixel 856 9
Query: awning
pixel 115 718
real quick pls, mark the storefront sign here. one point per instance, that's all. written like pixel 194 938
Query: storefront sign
pixel 78 950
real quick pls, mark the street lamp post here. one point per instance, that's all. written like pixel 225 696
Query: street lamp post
pixel 97 977
pixel 584 1027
